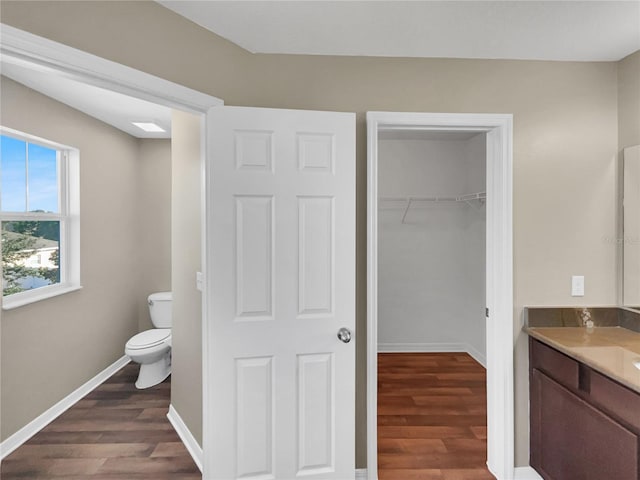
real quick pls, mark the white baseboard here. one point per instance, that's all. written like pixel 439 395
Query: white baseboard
pixel 477 356
pixel 433 347
pixel 520 473
pixel 421 347
pixel 525 473
pixel 191 444
pixel 37 424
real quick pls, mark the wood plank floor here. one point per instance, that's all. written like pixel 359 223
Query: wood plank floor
pixel 432 417
pixel 116 432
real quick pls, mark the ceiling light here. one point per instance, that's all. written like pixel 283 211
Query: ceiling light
pixel 149 127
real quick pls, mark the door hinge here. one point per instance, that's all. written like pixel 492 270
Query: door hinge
pixel 486 312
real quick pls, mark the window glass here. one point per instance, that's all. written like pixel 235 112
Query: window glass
pixel 30 255
pixel 42 179
pixel 34 215
pixel 13 172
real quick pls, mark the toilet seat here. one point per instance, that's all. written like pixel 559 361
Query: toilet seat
pixel 149 338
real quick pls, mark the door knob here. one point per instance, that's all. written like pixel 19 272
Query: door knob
pixel 344 335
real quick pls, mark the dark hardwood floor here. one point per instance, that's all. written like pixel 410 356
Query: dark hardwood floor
pixel 432 416
pixel 431 426
pixel 117 432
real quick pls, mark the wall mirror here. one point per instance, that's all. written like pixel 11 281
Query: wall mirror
pixel 631 228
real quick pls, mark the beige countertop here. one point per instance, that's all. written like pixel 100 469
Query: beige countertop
pixel 612 351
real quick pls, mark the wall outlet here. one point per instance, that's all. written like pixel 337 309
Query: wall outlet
pixel 577 286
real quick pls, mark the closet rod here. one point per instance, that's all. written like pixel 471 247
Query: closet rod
pixel 480 196
pixel 459 198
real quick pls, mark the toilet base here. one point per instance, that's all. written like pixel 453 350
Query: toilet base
pixel 154 373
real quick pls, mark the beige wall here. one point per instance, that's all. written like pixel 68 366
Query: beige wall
pixel 565 140
pixel 629 101
pixel 51 347
pixel 154 213
pixel 186 376
pixel 141 34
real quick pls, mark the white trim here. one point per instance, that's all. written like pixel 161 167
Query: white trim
pixel 361 474
pixel 34 140
pixel 477 355
pixel 206 232
pixel 21 47
pixel 44 419
pixel 31 296
pixel 421 347
pixel 526 473
pixel 500 328
pixel 372 298
pixel 433 347
pixel 190 443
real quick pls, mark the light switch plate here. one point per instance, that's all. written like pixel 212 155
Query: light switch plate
pixel 199 280
pixel 577 286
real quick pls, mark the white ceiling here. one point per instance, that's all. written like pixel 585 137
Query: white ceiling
pixel 113 108
pixel 516 29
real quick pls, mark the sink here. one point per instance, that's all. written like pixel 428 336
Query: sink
pixel 618 360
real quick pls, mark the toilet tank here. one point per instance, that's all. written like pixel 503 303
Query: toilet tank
pixel 160 309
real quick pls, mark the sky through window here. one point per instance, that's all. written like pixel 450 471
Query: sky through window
pixel 29 176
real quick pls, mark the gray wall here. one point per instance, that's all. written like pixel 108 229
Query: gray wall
pixel 51 347
pixel 154 221
pixel 186 377
pixel 431 267
pixel 565 139
pixel 629 101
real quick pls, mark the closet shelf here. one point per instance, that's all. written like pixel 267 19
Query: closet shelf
pixel 408 201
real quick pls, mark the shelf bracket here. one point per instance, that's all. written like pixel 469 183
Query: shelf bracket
pixel 406 209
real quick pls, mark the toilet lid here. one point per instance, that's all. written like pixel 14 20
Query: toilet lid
pixel 149 338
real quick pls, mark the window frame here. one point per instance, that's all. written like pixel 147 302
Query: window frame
pixel 68 161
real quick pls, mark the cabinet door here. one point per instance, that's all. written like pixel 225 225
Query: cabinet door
pixel 572 440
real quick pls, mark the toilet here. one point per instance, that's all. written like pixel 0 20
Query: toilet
pixel 152 348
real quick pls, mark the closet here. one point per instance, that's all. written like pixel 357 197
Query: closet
pixel 432 235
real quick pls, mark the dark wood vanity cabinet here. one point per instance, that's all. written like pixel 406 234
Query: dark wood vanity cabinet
pixel 576 435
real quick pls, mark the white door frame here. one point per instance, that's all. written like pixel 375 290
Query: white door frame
pixel 24 48
pixel 500 328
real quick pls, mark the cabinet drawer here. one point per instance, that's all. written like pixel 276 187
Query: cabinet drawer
pixel 575 441
pixel 556 365
pixel 616 399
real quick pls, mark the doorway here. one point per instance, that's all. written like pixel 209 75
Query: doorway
pixel 498 258
pixel 24 49
pixel 431 303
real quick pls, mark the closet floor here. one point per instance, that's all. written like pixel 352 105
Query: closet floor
pixel 116 432
pixel 432 417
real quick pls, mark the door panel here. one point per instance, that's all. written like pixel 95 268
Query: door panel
pixel 281 284
pixel 254 257
pixel 315 256
pixel 254 429
pixel 316 404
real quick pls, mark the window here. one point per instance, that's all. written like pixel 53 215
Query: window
pixel 39 217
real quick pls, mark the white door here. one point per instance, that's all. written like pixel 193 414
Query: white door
pixel 281 286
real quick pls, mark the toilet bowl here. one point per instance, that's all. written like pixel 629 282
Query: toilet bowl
pixel 152 348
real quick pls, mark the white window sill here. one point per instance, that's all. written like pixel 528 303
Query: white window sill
pixel 25 298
